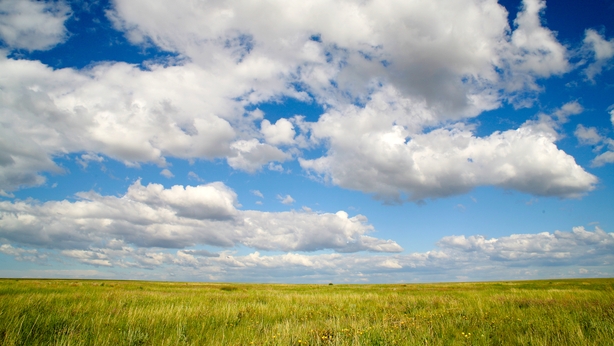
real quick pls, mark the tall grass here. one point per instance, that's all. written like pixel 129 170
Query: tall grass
pixel 81 312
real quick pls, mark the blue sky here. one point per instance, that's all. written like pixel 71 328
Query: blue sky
pixel 325 141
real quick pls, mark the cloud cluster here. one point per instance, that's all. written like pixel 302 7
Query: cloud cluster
pixel 383 156
pixel 519 256
pixel 445 53
pixel 123 112
pixel 393 72
pixel 579 247
pixel 20 254
pixel 591 136
pixel 179 217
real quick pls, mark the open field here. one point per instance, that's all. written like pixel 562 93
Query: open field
pixel 87 312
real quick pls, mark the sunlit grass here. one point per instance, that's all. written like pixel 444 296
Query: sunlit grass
pixel 82 312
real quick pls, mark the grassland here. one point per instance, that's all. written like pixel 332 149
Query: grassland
pixel 83 312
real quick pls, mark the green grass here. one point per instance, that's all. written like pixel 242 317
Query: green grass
pixel 84 312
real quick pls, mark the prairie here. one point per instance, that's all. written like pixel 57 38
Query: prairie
pixel 93 312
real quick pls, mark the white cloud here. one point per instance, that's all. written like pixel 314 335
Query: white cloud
pixel 587 135
pixel 445 54
pixel 286 200
pixel 471 257
pixel 166 173
pixel 377 150
pixel 590 136
pixel 289 231
pixel 257 193
pixel 538 52
pixel 178 217
pixel 141 118
pixel 195 176
pixel 280 133
pixel 398 81
pixel 604 158
pixel 33 25
pixel 601 50
pixel 251 155
pixel 559 247
pixel 23 255
pixel 475 257
pixel 85 159
pixel 402 59
pixel 570 108
pixel 6 194
pixel 88 257
pixel 276 167
pixel 211 201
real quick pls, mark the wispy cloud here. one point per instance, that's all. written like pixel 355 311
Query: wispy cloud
pixel 194 176
pixel 576 253
pixel 166 173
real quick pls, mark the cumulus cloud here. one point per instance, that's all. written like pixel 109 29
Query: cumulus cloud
pixel 407 44
pixel 389 159
pixel 33 25
pixel 538 51
pixel 212 201
pixel 140 118
pixel 282 132
pixel 178 217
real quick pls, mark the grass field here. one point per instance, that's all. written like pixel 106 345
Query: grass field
pixel 84 312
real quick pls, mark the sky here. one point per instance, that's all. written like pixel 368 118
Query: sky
pixel 346 141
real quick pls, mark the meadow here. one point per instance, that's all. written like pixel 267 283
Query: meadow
pixel 91 312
